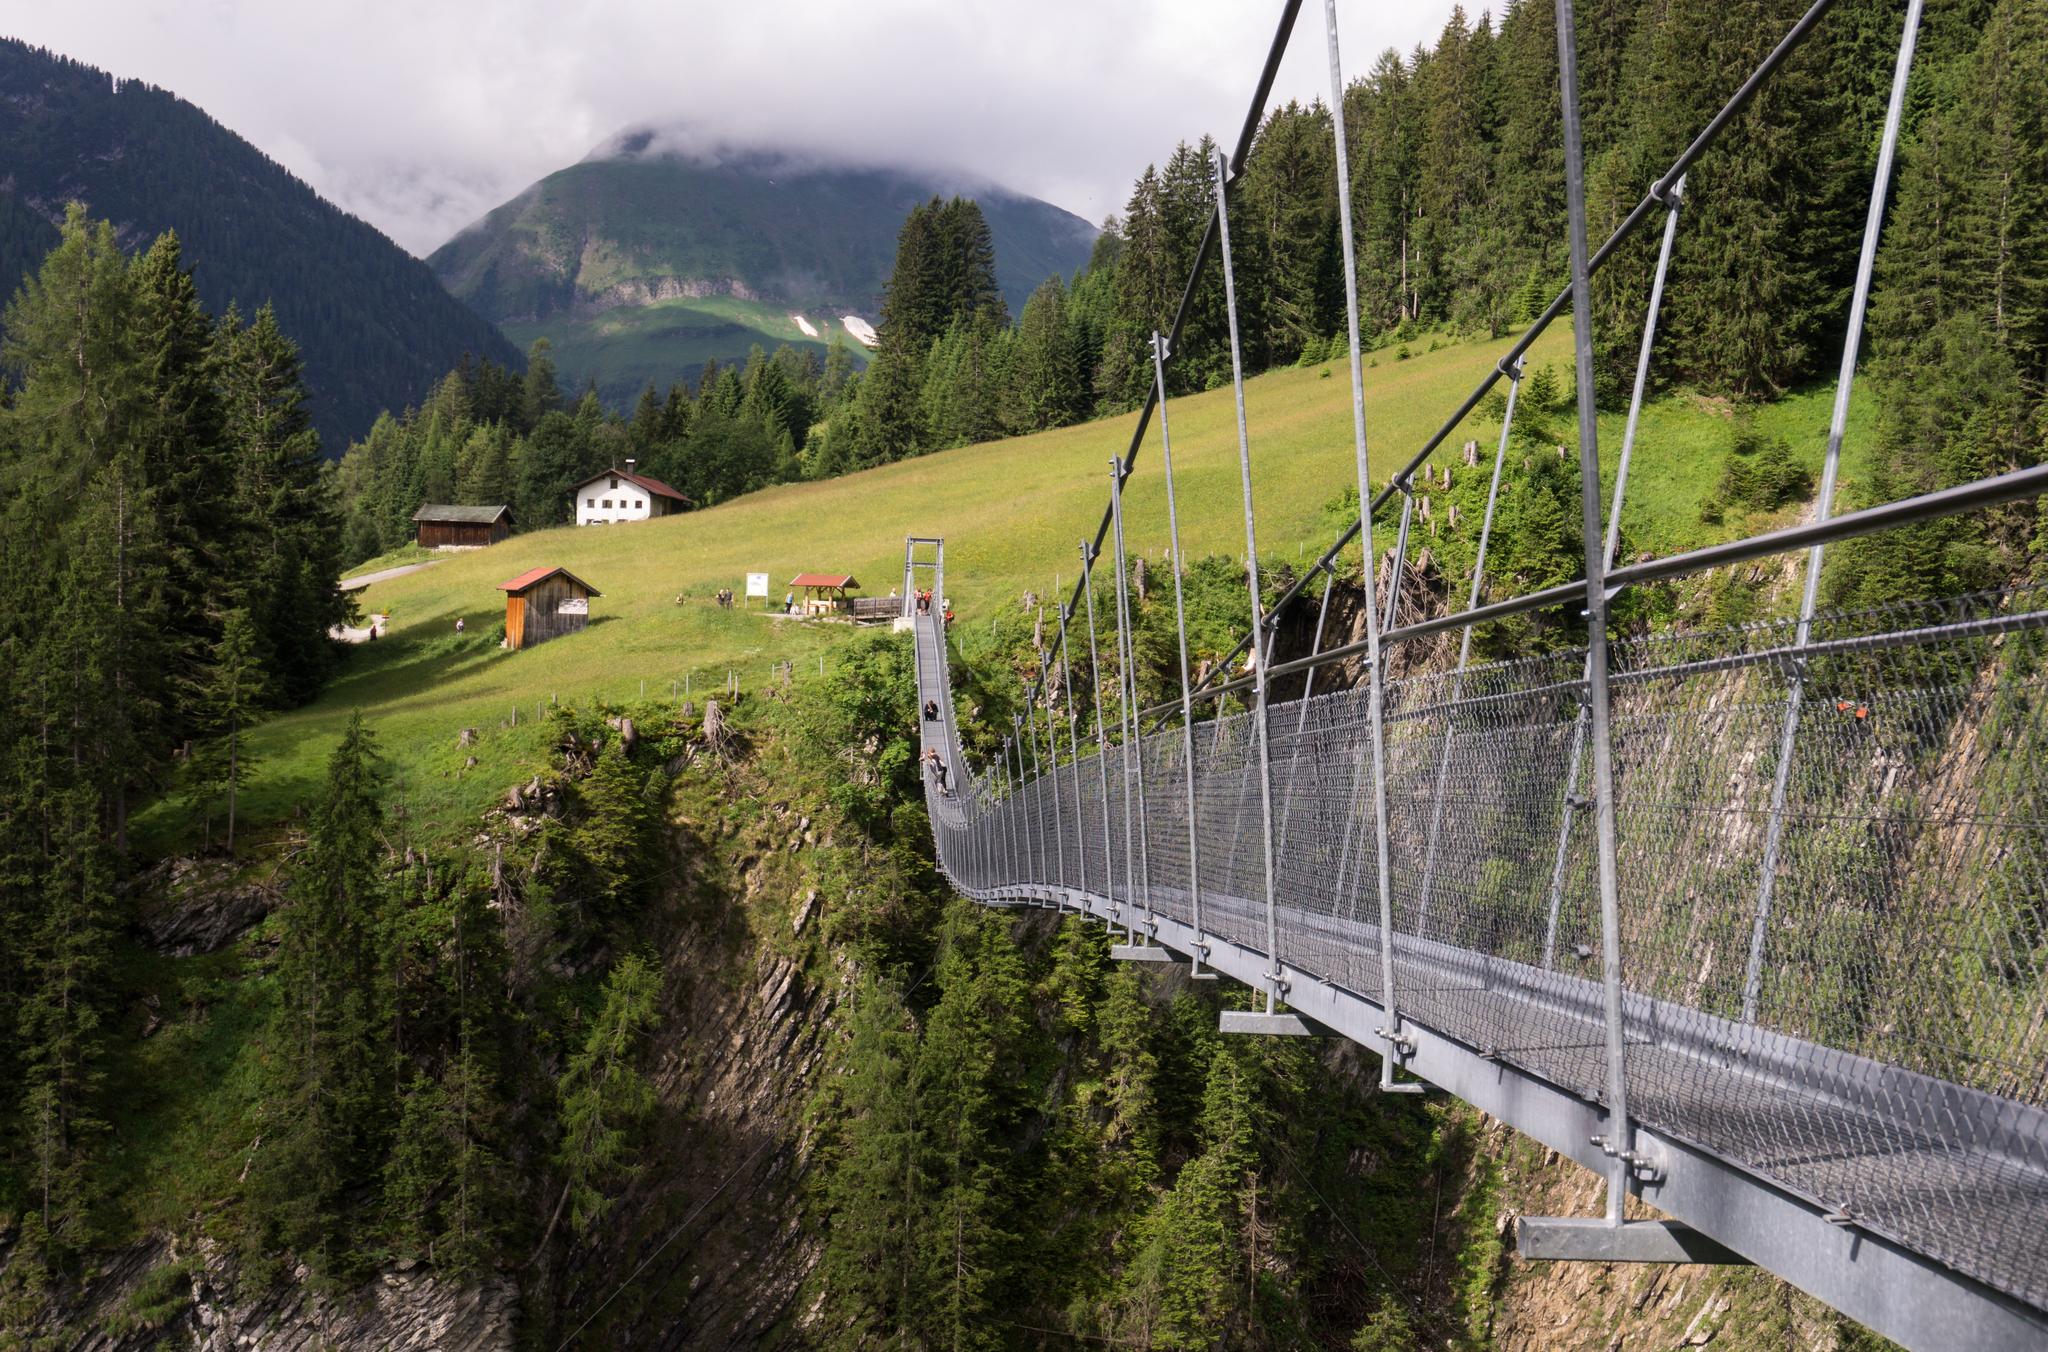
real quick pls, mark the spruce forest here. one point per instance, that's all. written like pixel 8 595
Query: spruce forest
pixel 494 1051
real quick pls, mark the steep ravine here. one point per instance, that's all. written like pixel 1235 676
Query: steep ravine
pixel 713 1243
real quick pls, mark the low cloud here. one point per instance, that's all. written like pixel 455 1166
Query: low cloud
pixel 422 117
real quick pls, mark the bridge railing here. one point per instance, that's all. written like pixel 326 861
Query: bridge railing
pixel 1774 890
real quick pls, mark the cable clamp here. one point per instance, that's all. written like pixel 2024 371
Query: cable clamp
pixel 1513 372
pixel 1669 196
pixel 1398 1040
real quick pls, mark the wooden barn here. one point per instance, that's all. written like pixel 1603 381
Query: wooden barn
pixel 544 603
pixel 443 526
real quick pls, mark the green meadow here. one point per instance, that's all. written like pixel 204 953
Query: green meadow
pixel 1012 513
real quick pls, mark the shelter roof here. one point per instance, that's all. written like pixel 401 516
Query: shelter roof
pixel 532 577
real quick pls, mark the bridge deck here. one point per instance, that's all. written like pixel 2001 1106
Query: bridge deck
pixel 1948 1180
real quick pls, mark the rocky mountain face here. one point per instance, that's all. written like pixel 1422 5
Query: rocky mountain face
pixel 648 259
pixel 713 1243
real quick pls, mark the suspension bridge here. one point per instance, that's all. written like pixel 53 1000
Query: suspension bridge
pixel 1752 922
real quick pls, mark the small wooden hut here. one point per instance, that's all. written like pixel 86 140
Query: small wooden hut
pixel 823 593
pixel 544 603
pixel 439 525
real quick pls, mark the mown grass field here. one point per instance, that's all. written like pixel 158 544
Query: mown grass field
pixel 1012 513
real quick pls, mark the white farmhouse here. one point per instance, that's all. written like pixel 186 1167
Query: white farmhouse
pixel 622 495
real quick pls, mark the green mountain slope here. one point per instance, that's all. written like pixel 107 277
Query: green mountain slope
pixel 375 327
pixel 618 260
pixel 1011 512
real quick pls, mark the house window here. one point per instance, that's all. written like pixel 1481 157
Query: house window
pixel 607 504
pixel 638 503
pixel 615 483
pixel 590 502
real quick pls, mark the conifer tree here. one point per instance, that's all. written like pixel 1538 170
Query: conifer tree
pixel 871 1195
pixel 231 694
pixel 61 1030
pixel 1046 388
pixel 285 571
pixel 327 1110
pixel 605 1095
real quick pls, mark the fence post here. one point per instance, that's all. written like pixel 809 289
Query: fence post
pixel 1261 640
pixel 1180 628
pixel 1052 756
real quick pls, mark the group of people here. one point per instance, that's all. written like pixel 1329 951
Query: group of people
pixel 924 604
pixel 725 598
pixel 935 766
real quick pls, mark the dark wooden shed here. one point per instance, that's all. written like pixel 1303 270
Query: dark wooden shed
pixel 444 526
pixel 544 603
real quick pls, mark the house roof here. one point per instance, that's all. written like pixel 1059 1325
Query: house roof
pixel 823 580
pixel 441 511
pixel 533 576
pixel 654 486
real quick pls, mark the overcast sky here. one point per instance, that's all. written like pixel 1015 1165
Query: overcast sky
pixel 420 115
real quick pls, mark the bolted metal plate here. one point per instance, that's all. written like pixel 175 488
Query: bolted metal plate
pixel 1574 1239
pixel 1268 1025
pixel 1143 953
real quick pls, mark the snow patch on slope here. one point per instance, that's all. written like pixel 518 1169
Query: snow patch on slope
pixel 862 331
pixel 810 329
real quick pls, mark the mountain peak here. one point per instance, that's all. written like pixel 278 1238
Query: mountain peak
pixel 666 247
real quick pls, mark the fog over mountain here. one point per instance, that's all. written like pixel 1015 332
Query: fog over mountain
pixel 420 118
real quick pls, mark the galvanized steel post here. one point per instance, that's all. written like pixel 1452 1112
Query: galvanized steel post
pixel 1620 1143
pixel 1873 226
pixel 1397 1044
pixel 1127 690
pixel 1611 544
pixel 1261 643
pixel 1101 732
pixel 1066 610
pixel 1443 763
pixel 1180 629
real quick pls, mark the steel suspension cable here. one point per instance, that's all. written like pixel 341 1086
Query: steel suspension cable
pixel 1396 1042
pixel 1101 730
pixel 1221 171
pixel 1127 695
pixel 1443 764
pixel 1180 628
pixel 1873 227
pixel 1657 194
pixel 1620 1141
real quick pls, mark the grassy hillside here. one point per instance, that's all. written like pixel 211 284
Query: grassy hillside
pixel 629 347
pixel 1012 513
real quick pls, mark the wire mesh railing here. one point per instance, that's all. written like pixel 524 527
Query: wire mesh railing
pixel 1896 1060
pixel 1775 890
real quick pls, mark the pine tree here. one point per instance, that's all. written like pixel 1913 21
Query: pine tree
pixel 62 1042
pixel 231 694
pixel 181 452
pixel 605 1096
pixel 539 394
pixel 284 574
pixel 70 333
pixel 871 1196
pixel 327 1108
